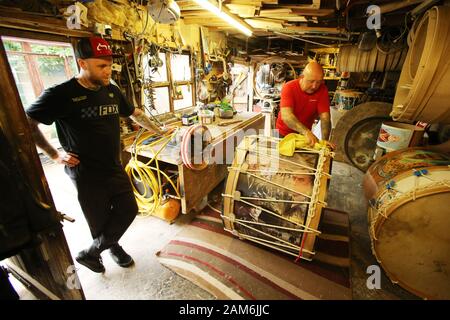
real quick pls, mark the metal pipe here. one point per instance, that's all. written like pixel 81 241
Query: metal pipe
pixel 325 37
pixel 301 39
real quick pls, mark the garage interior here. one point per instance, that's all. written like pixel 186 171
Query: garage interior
pixel 364 216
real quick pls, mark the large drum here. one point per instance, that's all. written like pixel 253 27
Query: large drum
pixel 347 99
pixel 409 219
pixel 275 200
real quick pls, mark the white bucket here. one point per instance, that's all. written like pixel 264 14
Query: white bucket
pixel 396 136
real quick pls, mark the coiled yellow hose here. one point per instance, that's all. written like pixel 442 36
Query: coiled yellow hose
pixel 145 174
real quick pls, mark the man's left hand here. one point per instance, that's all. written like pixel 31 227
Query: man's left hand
pixel 331 145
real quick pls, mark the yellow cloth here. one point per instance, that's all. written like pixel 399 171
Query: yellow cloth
pixel 293 141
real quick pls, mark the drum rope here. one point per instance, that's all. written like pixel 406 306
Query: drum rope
pixel 264 242
pixel 314 197
pixel 278 185
pixel 277 215
pixel 270 225
pixel 316 187
pixel 274 244
pixel 280 159
pixel 300 253
pixel 275 172
pixel 384 206
pixel 273 200
pixel 287 243
pixel 423 173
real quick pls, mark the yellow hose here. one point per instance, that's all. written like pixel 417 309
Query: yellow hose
pixel 145 174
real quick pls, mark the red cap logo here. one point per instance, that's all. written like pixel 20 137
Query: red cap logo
pixel 100 47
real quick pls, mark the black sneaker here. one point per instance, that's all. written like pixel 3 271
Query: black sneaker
pixel 91 262
pixel 120 257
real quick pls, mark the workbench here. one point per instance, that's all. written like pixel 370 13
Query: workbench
pixel 196 185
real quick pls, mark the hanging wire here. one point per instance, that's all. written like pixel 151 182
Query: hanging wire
pixel 389 43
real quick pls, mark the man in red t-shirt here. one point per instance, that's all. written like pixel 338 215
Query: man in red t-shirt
pixel 302 101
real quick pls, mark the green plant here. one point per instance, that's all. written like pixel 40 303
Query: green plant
pixel 225 105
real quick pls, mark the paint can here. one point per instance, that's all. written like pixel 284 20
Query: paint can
pixel 396 136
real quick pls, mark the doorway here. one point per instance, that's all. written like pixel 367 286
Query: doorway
pixel 37 65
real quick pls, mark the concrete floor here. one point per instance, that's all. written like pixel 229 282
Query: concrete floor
pixel 148 279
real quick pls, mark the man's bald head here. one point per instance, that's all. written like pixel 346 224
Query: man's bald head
pixel 312 77
pixel 313 69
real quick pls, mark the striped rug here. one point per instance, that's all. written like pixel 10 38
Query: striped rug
pixel 230 268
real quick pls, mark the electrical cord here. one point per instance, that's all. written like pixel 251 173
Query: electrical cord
pixel 149 176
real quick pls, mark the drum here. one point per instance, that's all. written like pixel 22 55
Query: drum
pixel 393 163
pixel 409 220
pixel 274 200
pixel 347 99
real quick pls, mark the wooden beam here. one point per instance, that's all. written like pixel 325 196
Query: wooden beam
pixel 290 18
pixel 274 12
pixel 18 19
pixel 242 10
pixel 264 24
pixel 313 12
pixel 303 29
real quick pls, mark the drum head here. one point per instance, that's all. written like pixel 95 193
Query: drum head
pixel 413 246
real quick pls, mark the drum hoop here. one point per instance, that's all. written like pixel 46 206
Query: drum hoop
pixel 390 206
pixel 232 180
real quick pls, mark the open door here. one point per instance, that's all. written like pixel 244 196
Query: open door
pixel 47 267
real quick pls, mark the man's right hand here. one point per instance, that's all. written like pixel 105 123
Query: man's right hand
pixel 68 159
pixel 312 139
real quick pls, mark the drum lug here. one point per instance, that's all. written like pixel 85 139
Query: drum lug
pixel 237 196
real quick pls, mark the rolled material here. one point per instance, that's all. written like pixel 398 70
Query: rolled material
pixel 423 91
pixel 193 147
pixel 354 60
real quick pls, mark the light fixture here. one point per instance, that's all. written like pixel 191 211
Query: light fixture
pixel 224 16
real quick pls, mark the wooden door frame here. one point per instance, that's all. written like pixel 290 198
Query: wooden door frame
pixel 50 263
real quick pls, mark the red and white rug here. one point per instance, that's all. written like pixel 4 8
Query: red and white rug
pixel 230 268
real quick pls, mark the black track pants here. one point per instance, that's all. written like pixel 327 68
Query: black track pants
pixel 109 206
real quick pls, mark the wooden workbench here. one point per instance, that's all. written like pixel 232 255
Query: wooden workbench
pixel 196 185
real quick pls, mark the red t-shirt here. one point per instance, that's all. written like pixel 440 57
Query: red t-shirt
pixel 307 107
